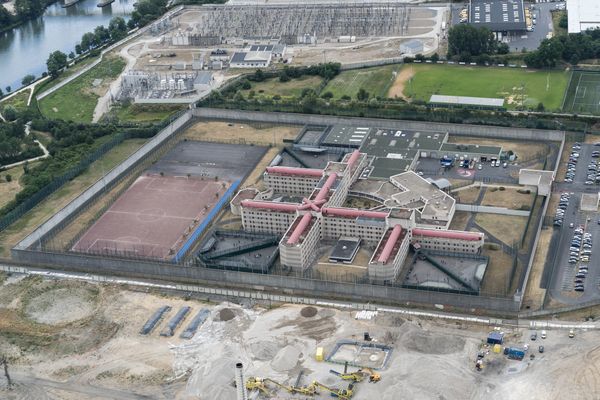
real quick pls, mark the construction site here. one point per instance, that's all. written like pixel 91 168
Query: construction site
pixel 72 340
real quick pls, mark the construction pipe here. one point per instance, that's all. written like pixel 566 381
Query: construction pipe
pixel 240 385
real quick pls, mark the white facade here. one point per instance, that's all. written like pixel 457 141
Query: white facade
pixel 583 15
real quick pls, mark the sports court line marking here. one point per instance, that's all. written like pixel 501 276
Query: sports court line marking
pixel 150 215
pixel 577 93
pixel 151 245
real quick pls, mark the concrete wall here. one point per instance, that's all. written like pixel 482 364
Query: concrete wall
pixel 453 129
pixel 281 284
pixel 491 210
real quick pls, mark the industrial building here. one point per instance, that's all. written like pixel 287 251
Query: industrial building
pixel 482 103
pixel 502 17
pixel 411 211
pixel 583 15
pixel 257 56
pixel 412 47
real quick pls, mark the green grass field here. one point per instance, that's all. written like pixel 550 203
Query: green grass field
pixel 583 94
pixel 292 88
pixel 145 113
pixel 18 101
pixel 76 101
pixel 376 81
pixel 517 86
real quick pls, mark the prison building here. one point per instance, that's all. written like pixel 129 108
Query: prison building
pixel 267 217
pixel 298 181
pixel 449 241
pixel 391 251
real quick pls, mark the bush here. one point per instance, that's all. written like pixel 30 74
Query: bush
pixel 8 178
pixel 501 188
pixel 10 113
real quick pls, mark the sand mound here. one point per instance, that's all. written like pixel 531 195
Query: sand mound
pixel 308 312
pixel 61 306
pixel 264 350
pixel 226 314
pixel 286 359
pixel 428 343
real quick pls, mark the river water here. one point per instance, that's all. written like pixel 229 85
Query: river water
pixel 25 49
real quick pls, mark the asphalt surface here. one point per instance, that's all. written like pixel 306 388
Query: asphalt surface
pixel 562 280
pixel 431 168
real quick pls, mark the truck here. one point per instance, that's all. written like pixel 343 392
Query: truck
pixel 515 354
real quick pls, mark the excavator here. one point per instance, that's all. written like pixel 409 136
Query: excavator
pixel 261 384
pixel 344 394
pixel 374 377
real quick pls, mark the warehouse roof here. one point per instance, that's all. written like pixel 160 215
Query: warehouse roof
pixel 467 101
pixel 498 15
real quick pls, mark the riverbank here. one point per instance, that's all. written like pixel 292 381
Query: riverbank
pixel 10 7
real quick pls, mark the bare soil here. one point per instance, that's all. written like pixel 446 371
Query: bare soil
pixel 397 89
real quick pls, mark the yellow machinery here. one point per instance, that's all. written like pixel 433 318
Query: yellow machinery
pixel 341 393
pixel 349 376
pixel 257 384
pixel 373 376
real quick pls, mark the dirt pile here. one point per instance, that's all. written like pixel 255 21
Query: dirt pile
pixel 308 312
pixel 226 314
pixel 263 350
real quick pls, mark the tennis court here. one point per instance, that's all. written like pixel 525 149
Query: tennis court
pixel 583 94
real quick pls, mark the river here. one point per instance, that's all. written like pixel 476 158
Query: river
pixel 25 49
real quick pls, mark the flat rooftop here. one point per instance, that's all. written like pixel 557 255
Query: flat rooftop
pixel 467 101
pixel 498 15
pixel 457 148
pixel 346 136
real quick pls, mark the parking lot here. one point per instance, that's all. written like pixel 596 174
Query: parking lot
pixel 431 168
pixel 577 232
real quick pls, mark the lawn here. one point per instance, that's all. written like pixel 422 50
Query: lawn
pixel 376 81
pixel 8 190
pixel 519 87
pixel 291 88
pixel 57 200
pixel 18 101
pixel 76 100
pixel 506 228
pixel 146 113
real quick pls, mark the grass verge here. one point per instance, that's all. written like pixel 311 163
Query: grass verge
pixel 76 100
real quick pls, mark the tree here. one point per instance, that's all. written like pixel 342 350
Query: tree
pixel 466 40
pixel 284 77
pixel 1 93
pixel 362 95
pixel 246 85
pixel 327 95
pixel 28 8
pixel 88 40
pixel 435 57
pixel 563 22
pixel 101 34
pixel 56 62
pixel 540 107
pixel 8 88
pixel 27 79
pixel 78 49
pixel 117 29
pixel 9 113
pixel 503 48
pixel 6 17
pixel 71 55
pixel 8 178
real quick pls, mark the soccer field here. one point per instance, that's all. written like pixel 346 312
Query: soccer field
pixel 583 95
pixel 519 87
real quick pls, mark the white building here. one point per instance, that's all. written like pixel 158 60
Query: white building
pixel 412 211
pixel 583 15
pixel 247 59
